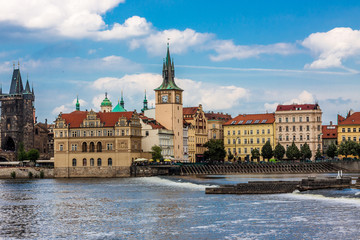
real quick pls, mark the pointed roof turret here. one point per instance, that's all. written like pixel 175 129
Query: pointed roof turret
pixel 106 102
pixel 16 86
pixel 122 103
pixel 168 74
pixel 27 87
pixel 77 106
pixel 145 103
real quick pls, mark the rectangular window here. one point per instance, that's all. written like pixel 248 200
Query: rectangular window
pixel 307 137
pixel 263 131
pixel 228 141
pixel 268 139
pixel 238 132
pixel 355 139
pixel 301 137
pixel 280 139
pixel 239 141
pixel 300 119
pixel 263 140
pixel 234 141
pixel 257 131
pixel 228 132
pixel 61 134
pixel 234 151
pixel 245 141
pixel 251 132
pixel 286 119
pixel 307 128
pixel 61 147
pixel 279 120
pixel 349 130
pixel 109 146
pixel 343 130
pixel 109 132
pixel 239 150
pixel 268 131
pixel 287 128
pixel 354 130
pixel 258 140
pixel 300 128
pixel 307 119
pixel 343 138
pixel 293 119
pixel 245 132
pixel 349 138
pixel 245 150
pixel 294 129
pixel 251 141
pixel 233 132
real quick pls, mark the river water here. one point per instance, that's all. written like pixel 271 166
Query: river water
pixel 171 208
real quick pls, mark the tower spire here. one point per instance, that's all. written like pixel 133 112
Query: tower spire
pixel 145 103
pixel 122 103
pixel 77 103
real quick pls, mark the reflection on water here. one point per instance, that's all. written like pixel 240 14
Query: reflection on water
pixel 170 208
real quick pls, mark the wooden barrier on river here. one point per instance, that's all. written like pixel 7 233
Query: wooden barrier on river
pixel 260 168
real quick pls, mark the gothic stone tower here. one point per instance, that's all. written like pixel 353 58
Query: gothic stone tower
pixel 168 105
pixel 17 115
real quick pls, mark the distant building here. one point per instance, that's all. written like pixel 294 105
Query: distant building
pixel 299 123
pixel 91 144
pixel 349 127
pixel 41 140
pixel 247 132
pixel 215 123
pixel 197 132
pixel 329 136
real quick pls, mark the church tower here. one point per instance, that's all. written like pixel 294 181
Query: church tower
pixel 169 106
pixel 106 105
pixel 17 115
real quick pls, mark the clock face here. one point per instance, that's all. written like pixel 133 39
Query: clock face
pixel 164 98
pixel 177 99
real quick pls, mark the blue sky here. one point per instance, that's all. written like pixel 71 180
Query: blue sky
pixel 230 56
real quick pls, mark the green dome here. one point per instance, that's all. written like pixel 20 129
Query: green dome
pixel 119 108
pixel 106 102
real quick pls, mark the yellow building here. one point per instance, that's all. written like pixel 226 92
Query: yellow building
pixel 197 132
pixel 215 122
pixel 244 133
pixel 349 127
pixel 90 144
pixel 168 106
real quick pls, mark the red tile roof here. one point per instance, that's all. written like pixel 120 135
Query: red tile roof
pixel 108 118
pixel 152 122
pixel 353 119
pixel 329 131
pixel 250 119
pixel 189 110
pixel 297 107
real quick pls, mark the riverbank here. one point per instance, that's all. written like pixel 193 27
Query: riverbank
pixel 23 172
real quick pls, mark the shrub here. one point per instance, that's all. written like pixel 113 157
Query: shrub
pixel 13 175
pixel 42 174
pixel 30 175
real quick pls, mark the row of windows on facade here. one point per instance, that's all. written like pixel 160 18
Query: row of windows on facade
pixel 92 162
pixel 74 147
pixel 318 119
pixel 349 130
pixel 99 133
pixel 294 138
pixel 286 128
pixel 250 132
pixel 247 141
pixel 350 138
pixel 251 149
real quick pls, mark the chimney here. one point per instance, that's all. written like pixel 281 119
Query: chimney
pixel 330 123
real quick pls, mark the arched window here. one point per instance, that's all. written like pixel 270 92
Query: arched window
pixel 84 147
pixel 98 147
pixel 91 162
pixel 99 162
pixel 92 147
pixel 8 124
pixel 84 162
pixel 74 162
pixel 109 162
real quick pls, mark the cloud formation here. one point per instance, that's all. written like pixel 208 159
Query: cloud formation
pixel 304 97
pixel 332 47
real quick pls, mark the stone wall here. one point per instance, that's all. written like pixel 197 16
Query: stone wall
pixel 351 166
pixel 23 172
pixel 83 172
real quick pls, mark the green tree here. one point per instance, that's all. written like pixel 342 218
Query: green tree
pixel 293 152
pixel 347 147
pixel 33 154
pixel 266 151
pixel 255 154
pixel 215 150
pixel 318 154
pixel 305 151
pixel 331 152
pixel 230 156
pixel 357 150
pixel 156 152
pixel 279 151
pixel 21 154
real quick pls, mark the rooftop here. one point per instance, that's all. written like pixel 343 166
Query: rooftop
pixel 297 107
pixel 353 118
pixel 250 119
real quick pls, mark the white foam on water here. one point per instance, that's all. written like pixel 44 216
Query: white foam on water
pixel 204 227
pixel 299 196
pixel 176 184
pixel 298 219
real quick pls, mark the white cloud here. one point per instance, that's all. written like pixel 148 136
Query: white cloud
pixel 332 47
pixel 180 41
pixel 73 19
pixel 270 107
pixel 69 107
pixel 226 50
pixel 211 96
pixel 304 97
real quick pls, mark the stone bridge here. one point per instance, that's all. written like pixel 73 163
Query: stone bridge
pixel 7 156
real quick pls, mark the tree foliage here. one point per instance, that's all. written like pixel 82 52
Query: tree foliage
pixel 347 147
pixel 266 151
pixel 156 152
pixel 357 150
pixel 255 154
pixel 215 150
pixel 279 151
pixel 230 156
pixel 318 154
pixel 332 151
pixel 33 154
pixel 21 154
pixel 293 152
pixel 305 151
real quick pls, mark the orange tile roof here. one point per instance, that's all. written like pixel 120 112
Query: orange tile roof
pixel 329 131
pixel 218 116
pixel 298 107
pixel 108 118
pixel 250 119
pixel 353 119
pixel 189 110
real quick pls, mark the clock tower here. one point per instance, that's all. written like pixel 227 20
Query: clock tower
pixel 168 105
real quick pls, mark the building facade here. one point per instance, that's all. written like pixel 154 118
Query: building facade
pixel 169 105
pixel 197 132
pixel 247 132
pixel 299 123
pixel 349 127
pixel 329 136
pixel 215 123
pixel 96 144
